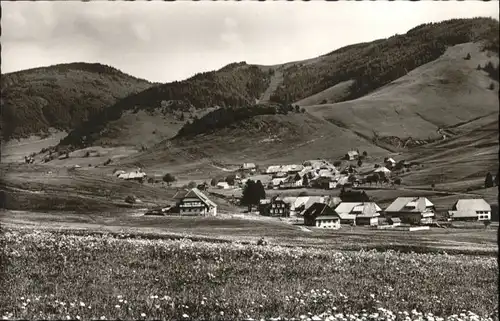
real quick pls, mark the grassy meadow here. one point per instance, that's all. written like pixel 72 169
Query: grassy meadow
pixel 49 275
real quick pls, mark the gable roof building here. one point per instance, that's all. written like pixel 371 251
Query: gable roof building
pixel 135 175
pixel 352 155
pixel 470 209
pixel 248 166
pixel 194 202
pixel 382 169
pixel 412 210
pixel 316 210
pixel 273 169
pixel 359 213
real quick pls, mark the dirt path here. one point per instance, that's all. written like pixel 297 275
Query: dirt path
pixel 276 80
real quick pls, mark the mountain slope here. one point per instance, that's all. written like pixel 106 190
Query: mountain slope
pixel 464 159
pixel 60 96
pixel 265 139
pixel 235 85
pixel 440 94
pixel 372 65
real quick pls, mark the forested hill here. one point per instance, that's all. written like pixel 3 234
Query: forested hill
pixel 375 64
pixel 363 67
pixel 236 85
pixel 60 96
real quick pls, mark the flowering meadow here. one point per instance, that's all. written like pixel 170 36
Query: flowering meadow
pixel 51 275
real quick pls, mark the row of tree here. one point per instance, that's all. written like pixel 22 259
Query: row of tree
pixel 224 117
pixel 253 192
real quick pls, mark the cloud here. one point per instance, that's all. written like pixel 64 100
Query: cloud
pixel 166 41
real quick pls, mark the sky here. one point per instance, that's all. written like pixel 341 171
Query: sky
pixel 168 41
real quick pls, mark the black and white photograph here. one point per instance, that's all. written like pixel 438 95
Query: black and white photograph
pixel 249 160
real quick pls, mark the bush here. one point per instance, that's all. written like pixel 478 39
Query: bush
pixel 491 86
pixel 192 184
pixel 130 199
pixel 107 162
pixel 467 57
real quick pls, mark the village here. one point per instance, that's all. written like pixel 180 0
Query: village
pixel 352 207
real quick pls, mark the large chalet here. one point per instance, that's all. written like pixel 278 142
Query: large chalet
pixel 194 203
pixel 412 210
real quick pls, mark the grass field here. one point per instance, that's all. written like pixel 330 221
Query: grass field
pixel 435 95
pixel 59 276
pixel 249 228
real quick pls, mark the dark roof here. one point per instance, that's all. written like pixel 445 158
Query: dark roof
pixel 320 209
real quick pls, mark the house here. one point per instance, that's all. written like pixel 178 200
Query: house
pixel 248 166
pixel 292 181
pixel 194 203
pixel 223 185
pixel 276 182
pixel 292 169
pixel 276 207
pixel 411 210
pixel 367 214
pixel 328 221
pixel 316 210
pixel 273 169
pixel 383 170
pixel 352 155
pixel 470 210
pixel 358 213
pixel 306 202
pixel 321 182
pixel 137 175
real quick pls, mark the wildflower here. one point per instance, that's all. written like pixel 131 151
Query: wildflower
pixel 82 304
pixel 143 315
pixel 222 313
pixel 185 316
pixel 117 306
pixel 103 318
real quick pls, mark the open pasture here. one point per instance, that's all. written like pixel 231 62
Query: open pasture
pixel 249 228
pixel 58 276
